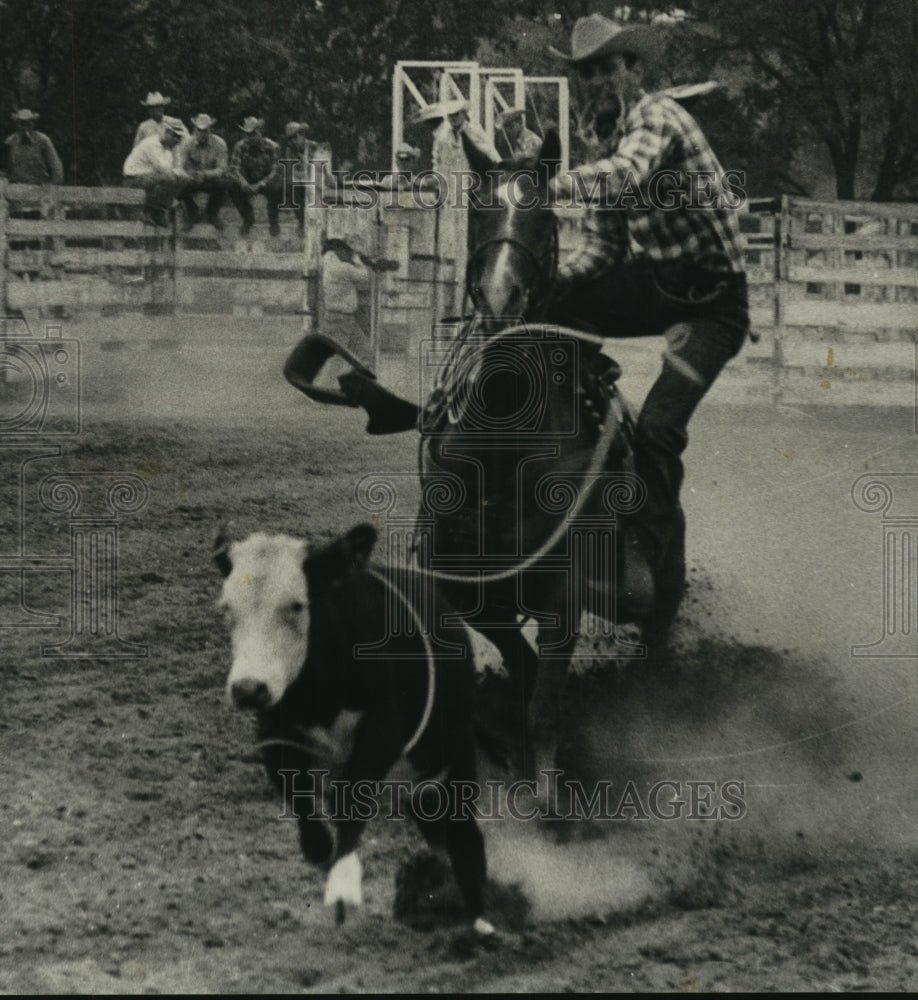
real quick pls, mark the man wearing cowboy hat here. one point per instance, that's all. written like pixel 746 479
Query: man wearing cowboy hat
pixel 448 152
pixel 151 165
pixel 522 143
pixel 660 255
pixel 203 156
pixel 255 169
pixel 153 125
pixel 295 165
pixel 30 155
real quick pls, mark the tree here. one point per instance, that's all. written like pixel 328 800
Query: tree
pixel 86 65
pixel 840 71
pixel 799 74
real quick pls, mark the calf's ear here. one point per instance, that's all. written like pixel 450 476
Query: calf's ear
pixel 221 551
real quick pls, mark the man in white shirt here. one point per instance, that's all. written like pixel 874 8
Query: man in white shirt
pixel 156 104
pixel 151 165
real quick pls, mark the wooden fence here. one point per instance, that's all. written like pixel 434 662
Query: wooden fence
pixel 833 285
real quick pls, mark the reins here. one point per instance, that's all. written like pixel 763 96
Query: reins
pixel 545 264
pixel 428 651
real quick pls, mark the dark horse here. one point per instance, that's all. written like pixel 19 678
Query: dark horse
pixel 526 453
pixel 526 457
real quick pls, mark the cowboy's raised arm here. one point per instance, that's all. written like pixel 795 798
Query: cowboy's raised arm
pixel 649 131
pixel 603 246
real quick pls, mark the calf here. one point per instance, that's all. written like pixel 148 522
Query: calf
pixel 320 637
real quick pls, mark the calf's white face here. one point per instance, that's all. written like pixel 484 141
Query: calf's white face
pixel 266 598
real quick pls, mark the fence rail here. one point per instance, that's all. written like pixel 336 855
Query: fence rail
pixel 833 285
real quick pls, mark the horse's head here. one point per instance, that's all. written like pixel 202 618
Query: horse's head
pixel 512 236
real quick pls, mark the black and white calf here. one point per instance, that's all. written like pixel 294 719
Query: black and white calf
pixel 320 637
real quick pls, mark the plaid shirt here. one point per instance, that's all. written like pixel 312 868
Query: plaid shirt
pixel 255 159
pixel 207 158
pixel 662 159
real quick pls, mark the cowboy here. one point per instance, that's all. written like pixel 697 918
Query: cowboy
pixel 151 165
pixel 255 169
pixel 448 153
pixel 203 156
pixel 523 143
pixel 660 255
pixel 156 104
pixel 30 155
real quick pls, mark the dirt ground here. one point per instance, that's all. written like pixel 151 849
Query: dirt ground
pixel 141 847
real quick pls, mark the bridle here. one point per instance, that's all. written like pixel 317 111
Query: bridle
pixel 544 262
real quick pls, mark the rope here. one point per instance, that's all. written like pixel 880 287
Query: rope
pixel 431 684
pixel 597 459
pixel 428 649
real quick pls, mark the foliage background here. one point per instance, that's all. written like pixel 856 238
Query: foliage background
pixel 819 94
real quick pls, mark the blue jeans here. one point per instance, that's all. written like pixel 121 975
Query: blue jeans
pixel 703 313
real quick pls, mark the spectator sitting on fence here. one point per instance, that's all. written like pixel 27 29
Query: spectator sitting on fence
pixel 203 156
pixel 153 125
pixel 521 143
pixel 151 165
pixel 255 169
pixel 30 155
pixel 295 164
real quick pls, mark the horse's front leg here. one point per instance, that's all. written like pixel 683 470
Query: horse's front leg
pixel 505 701
pixel 548 707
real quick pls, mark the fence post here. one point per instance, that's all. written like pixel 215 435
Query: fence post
pixel 314 241
pixel 782 246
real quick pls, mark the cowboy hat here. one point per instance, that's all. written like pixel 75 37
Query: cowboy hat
pixel 406 151
pixel 251 123
pixel 24 115
pixel 510 115
pixel 442 109
pixel 292 128
pixel 203 121
pixel 596 36
pixel 156 100
pixel 175 125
